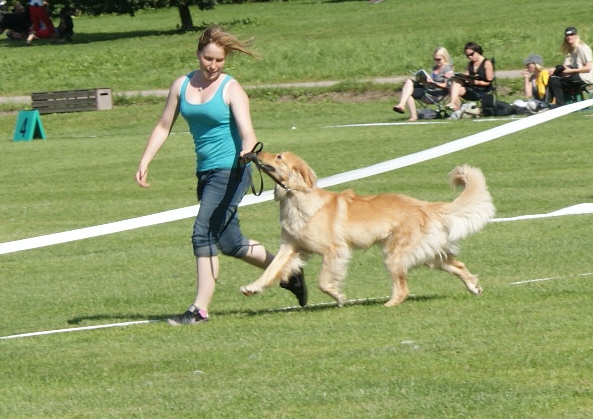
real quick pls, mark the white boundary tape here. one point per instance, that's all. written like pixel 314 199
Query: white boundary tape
pixel 573 210
pixel 404 161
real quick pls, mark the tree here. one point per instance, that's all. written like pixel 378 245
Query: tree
pixel 97 7
pixel 187 23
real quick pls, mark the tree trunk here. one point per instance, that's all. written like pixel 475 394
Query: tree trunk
pixel 187 24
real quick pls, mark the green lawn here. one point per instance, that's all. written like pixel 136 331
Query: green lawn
pixel 521 350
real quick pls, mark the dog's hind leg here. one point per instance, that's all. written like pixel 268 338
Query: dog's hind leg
pixel 281 267
pixel 459 269
pixel 399 275
pixel 333 271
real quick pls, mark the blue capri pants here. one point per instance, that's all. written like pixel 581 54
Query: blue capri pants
pixel 217 224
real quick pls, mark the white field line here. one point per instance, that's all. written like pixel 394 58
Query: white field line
pixel 404 161
pixel 531 281
pixel 76 329
pixel 386 124
pixel 390 124
pixel 124 324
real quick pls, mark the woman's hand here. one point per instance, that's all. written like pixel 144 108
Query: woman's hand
pixel 141 176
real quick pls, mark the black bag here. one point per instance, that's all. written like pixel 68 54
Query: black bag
pixel 503 108
pixel 427 114
pixel 492 107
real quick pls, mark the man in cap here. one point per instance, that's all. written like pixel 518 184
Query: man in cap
pixel 577 69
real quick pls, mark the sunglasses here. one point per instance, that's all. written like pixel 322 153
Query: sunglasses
pixel 471 54
pixel 438 59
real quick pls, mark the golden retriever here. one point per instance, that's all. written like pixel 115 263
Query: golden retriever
pixel 409 231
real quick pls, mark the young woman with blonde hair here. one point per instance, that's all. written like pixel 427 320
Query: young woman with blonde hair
pixel 217 110
pixel 577 69
pixel 435 88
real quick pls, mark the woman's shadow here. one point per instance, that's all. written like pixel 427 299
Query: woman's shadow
pixel 247 312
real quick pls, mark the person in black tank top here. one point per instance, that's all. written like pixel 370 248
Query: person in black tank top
pixel 481 72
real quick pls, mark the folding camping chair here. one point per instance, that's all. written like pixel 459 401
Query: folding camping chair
pixel 487 103
pixel 578 94
pixel 428 100
pixel 491 97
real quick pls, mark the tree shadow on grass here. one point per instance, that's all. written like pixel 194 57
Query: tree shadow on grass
pixel 88 38
pixel 247 312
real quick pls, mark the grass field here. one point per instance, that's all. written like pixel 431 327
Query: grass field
pixel 521 350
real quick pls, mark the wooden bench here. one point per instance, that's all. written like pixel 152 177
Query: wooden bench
pixel 72 100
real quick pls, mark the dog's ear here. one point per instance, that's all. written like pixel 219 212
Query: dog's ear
pixel 304 171
pixel 308 176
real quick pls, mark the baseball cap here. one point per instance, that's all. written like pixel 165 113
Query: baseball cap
pixel 571 30
pixel 535 59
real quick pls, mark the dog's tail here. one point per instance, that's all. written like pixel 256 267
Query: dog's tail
pixel 472 209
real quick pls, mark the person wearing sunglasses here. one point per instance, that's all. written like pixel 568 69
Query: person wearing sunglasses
pixel 478 77
pixel 576 71
pixel 432 89
pixel 535 78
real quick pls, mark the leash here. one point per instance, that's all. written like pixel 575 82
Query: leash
pixel 252 157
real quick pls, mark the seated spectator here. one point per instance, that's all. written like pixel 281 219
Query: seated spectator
pixel 435 89
pixel 41 25
pixel 576 71
pixel 16 24
pixel 480 74
pixel 535 78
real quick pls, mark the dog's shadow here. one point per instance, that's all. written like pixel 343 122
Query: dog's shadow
pixel 247 312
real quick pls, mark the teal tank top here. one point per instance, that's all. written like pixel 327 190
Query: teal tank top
pixel 216 137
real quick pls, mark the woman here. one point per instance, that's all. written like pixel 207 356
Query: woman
pixel 217 110
pixel 480 72
pixel 535 78
pixel 576 71
pixel 436 85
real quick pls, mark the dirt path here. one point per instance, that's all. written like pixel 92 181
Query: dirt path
pixel 385 80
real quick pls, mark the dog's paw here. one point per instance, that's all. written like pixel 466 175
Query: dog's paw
pixel 477 291
pixel 250 290
pixel 395 301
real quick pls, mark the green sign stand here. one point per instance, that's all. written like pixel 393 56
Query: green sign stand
pixel 28 126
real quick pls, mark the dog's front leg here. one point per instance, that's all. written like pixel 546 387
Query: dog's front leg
pixel 277 270
pixel 333 271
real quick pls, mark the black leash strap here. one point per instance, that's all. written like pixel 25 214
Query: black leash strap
pixel 252 156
